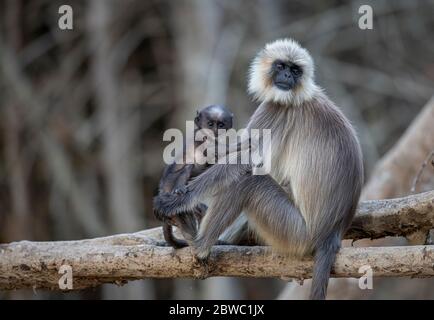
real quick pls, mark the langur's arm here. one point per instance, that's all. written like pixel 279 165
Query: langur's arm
pixel 217 177
pixel 183 176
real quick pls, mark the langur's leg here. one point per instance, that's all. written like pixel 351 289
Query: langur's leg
pixel 278 220
pixel 218 218
pixel 200 212
pixel 187 223
pixel 239 233
pixel 276 216
pixel 265 202
pixel 171 239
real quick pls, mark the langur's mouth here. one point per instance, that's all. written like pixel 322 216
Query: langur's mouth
pixel 283 86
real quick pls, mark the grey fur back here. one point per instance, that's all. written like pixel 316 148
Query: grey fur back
pixel 316 152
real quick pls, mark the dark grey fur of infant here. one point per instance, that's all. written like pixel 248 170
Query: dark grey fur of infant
pixel 175 178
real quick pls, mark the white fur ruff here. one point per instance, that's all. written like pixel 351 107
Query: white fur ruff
pixel 287 50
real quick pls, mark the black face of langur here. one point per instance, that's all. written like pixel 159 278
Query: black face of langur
pixel 285 75
pixel 175 177
pixel 214 117
pixel 307 201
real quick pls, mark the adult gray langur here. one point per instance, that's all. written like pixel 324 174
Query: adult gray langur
pixel 308 199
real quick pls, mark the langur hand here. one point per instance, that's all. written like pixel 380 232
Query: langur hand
pixel 167 205
pixel 200 211
pixel 180 190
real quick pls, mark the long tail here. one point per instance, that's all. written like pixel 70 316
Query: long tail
pixel 324 258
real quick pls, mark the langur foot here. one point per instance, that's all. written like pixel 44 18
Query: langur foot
pixel 201 252
pixel 203 266
pixel 179 244
pixel 175 246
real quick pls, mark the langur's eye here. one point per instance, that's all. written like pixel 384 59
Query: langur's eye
pixel 296 71
pixel 221 125
pixel 280 66
pixel 210 123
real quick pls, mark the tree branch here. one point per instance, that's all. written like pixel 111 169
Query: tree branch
pixel 393 217
pixel 119 258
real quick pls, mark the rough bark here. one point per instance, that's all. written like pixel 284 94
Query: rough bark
pixel 393 217
pixel 119 258
pixel 394 174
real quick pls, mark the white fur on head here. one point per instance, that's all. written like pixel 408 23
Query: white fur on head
pixel 260 82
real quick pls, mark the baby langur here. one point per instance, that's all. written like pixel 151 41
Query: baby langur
pixel 308 199
pixel 176 176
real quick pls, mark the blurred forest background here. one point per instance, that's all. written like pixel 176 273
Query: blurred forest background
pixel 83 111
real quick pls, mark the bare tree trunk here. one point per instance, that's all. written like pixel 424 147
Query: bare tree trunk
pixel 394 174
pixel 117 140
pixel 121 258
